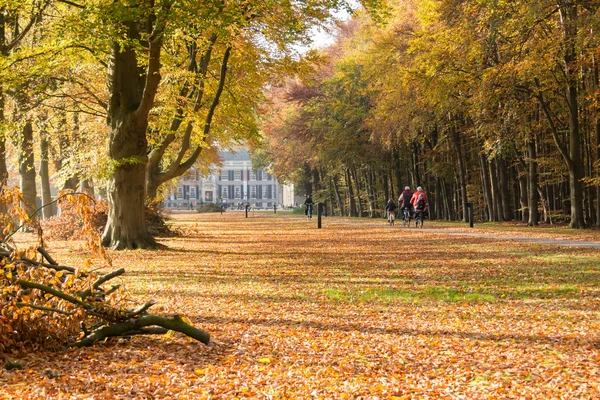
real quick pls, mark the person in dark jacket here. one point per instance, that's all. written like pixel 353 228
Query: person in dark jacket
pixel 308 203
pixel 404 200
pixel 390 208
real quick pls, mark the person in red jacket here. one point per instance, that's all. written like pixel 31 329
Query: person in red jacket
pixel 415 198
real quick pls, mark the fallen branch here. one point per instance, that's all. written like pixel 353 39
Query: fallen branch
pixel 100 281
pixel 47 256
pixel 131 327
pixel 35 307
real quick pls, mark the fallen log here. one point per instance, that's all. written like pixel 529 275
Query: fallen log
pixel 135 325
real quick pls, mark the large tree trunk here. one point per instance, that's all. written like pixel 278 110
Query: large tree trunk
pixel 487 190
pixel 569 16
pixel 27 169
pixel 397 171
pixel 3 168
pixel 523 202
pixel 533 198
pixel 352 211
pixel 48 210
pixel 359 204
pixel 504 189
pixel 598 171
pixel 132 96
pixel 338 198
pixel 496 198
pixel 462 174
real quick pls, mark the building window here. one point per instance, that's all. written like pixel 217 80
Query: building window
pixel 269 177
pixel 208 196
pixel 230 175
pixel 253 175
pixel 237 175
pixel 252 192
pixel 238 194
pixel 180 192
pixel 192 192
pixel 224 192
pixel 259 175
pixel 223 175
pixel 266 192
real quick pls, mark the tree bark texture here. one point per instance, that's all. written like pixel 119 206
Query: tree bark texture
pixel 27 168
pixel 132 94
pixel 48 210
pixel 462 174
pixel 533 198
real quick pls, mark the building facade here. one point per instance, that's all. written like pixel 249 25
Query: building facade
pixel 234 185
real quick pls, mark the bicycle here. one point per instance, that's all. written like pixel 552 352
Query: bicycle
pixel 391 217
pixel 406 217
pixel 419 219
pixel 309 211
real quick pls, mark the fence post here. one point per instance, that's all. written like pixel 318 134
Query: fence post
pixel 247 205
pixel 275 208
pixel 470 206
pixel 319 212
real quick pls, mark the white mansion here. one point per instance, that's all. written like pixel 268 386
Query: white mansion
pixel 234 184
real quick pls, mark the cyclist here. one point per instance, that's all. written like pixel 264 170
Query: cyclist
pixel 309 204
pixel 415 197
pixel 404 201
pixel 419 201
pixel 391 211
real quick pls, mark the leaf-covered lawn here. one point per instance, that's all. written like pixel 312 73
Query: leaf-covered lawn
pixel 347 311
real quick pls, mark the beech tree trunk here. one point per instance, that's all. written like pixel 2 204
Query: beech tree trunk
pixel 132 94
pixel 48 210
pixel 462 174
pixel 359 205
pixel 27 168
pixel 523 197
pixel 352 211
pixel 504 189
pixel 533 198
pixel 3 168
pixel 496 199
pixel 487 191
pixel 338 198
pixel 569 21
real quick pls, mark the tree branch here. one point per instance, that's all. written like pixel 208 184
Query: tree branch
pixel 123 328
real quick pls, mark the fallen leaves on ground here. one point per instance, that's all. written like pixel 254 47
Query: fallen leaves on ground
pixel 346 312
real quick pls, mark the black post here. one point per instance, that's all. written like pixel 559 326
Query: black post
pixel 319 212
pixel 247 205
pixel 274 208
pixel 470 205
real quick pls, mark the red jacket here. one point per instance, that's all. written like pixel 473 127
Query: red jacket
pixel 415 198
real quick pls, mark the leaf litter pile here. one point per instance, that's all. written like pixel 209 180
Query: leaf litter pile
pixel 344 312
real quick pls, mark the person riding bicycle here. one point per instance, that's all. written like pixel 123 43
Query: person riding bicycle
pixel 390 208
pixel 404 200
pixel 309 204
pixel 419 200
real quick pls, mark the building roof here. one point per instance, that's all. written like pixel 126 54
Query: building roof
pixel 241 155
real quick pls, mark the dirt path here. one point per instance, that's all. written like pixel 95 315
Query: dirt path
pixel 476 234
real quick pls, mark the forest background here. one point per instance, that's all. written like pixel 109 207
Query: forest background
pixel 493 103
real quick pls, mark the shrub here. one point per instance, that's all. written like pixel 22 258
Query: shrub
pixel 209 208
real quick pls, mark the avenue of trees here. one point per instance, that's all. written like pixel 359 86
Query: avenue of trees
pixel 491 102
pixel 122 97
